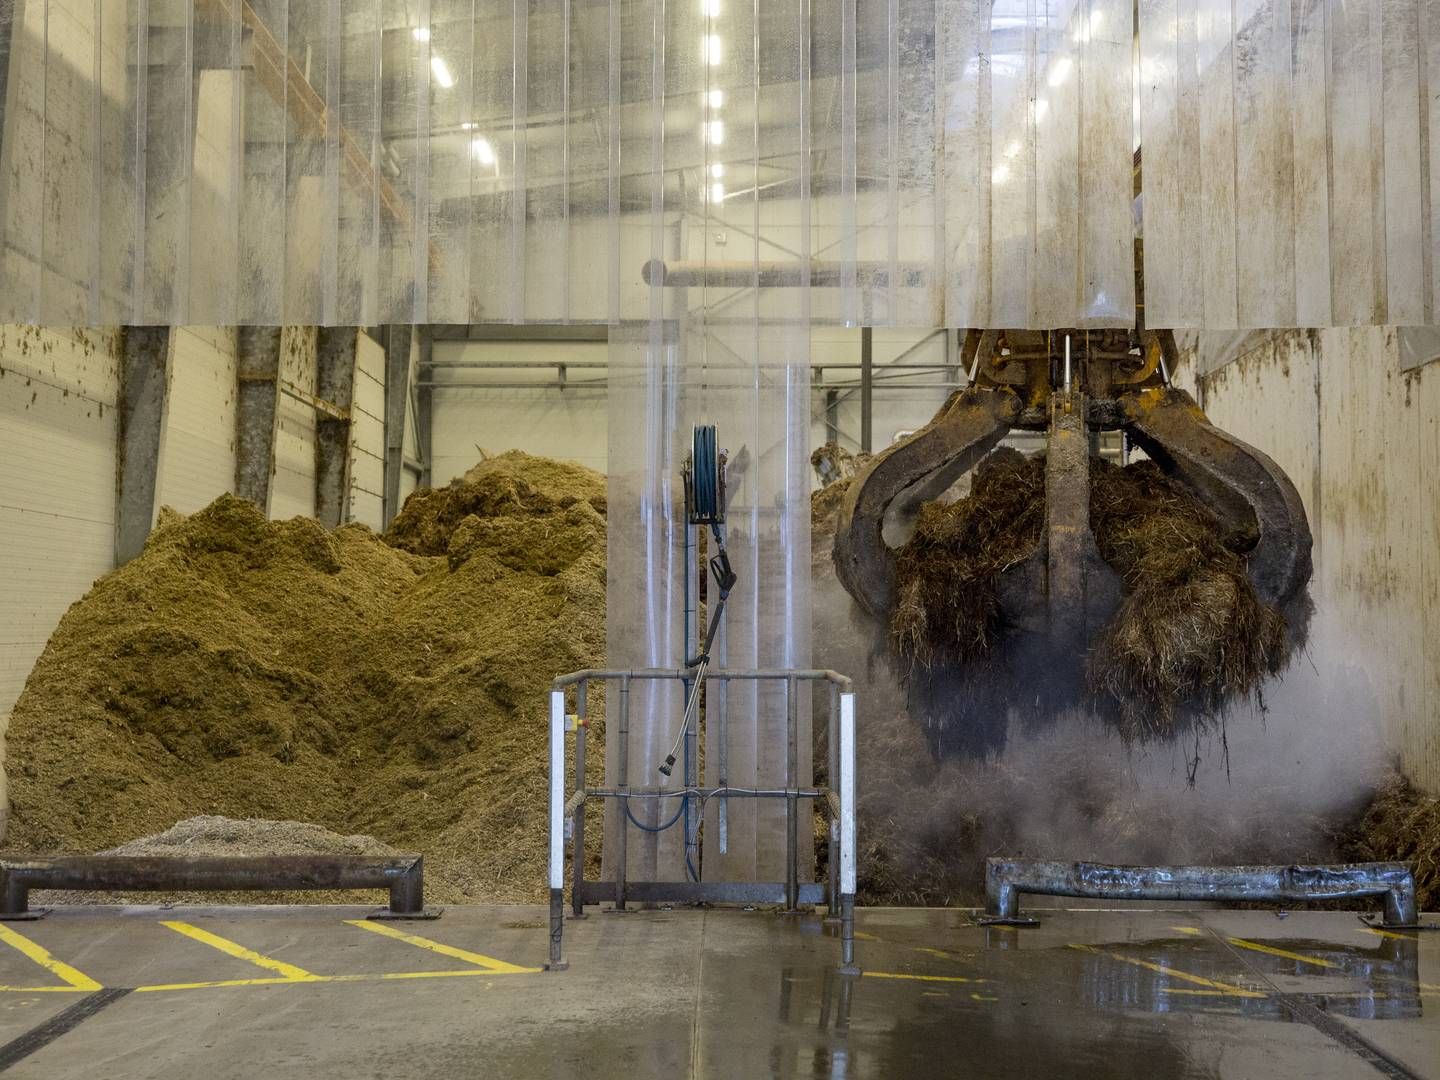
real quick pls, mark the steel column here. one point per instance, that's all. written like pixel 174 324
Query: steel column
pixel 397 397
pixel 257 412
pixel 867 389
pixel 335 354
pixel 144 394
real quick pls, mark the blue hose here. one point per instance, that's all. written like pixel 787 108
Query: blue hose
pixel 707 472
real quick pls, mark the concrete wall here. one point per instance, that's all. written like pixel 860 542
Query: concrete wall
pixel 573 423
pixel 1360 437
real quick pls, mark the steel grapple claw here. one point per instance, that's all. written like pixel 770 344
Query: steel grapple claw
pixel 1113 381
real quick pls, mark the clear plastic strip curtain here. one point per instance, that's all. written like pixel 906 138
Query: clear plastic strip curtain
pixel 455 161
pixel 724 150
pixel 1289 162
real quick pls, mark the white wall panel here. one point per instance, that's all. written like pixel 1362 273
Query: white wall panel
pixel 1361 439
pixel 57 484
pixel 367 436
pixel 571 425
pixel 197 457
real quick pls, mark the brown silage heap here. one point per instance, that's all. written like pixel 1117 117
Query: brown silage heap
pixel 272 670
pixel 1190 632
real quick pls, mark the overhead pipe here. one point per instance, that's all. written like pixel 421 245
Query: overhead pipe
pixel 772 274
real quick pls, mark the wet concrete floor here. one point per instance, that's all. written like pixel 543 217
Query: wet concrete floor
pixel 318 992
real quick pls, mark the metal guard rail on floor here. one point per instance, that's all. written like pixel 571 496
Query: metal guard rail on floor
pixel 401 875
pixel 839 804
pixel 1006 879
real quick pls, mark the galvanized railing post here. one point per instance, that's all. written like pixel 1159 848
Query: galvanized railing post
pixel 577 829
pixel 622 775
pixel 847 834
pixel 557 829
pixel 792 814
pixel 832 748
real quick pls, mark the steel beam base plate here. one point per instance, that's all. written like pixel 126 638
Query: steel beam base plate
pixel 558 965
pixel 26 916
pixel 1375 922
pixel 1001 920
pixel 386 915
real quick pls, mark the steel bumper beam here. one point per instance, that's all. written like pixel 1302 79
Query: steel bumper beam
pixel 402 876
pixel 1006 879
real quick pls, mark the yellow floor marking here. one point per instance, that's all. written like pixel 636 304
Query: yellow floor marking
pixel 290 972
pixel 1187 929
pixel 860 935
pixel 983 997
pixel 386 977
pixel 75 980
pixel 937 952
pixel 1285 954
pixel 489 963
pixel 1390 934
pixel 1174 973
pixel 920 978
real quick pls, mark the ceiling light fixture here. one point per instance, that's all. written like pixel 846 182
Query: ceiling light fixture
pixel 441 71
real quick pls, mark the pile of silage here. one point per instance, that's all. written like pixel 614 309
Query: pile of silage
pixel 257 669
pixel 1190 633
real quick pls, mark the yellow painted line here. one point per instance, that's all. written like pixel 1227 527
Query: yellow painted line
pixel 386 977
pixel 920 978
pixel 228 982
pixel 1270 950
pixel 289 972
pixel 75 980
pixel 941 953
pixel 983 997
pixel 1390 934
pixel 1175 973
pixel 1187 929
pixel 860 935
pixel 489 963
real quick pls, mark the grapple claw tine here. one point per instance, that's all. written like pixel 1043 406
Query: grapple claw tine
pixel 922 466
pixel 1243 486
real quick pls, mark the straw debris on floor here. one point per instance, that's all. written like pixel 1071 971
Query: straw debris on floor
pixel 274 670
pixel 1401 824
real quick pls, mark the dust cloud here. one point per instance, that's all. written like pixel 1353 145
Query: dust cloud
pixel 1274 779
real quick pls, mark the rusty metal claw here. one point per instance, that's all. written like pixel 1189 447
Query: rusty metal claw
pixel 969 425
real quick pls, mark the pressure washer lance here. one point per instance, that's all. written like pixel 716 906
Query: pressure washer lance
pixel 725 579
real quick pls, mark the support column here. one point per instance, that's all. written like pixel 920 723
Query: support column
pixel 335 353
pixel 397 397
pixel 257 412
pixel 867 388
pixel 425 409
pixel 144 391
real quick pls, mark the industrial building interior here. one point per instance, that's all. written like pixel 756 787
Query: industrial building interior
pixel 797 538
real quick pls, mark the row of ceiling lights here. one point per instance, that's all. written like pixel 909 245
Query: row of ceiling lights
pixel 480 147
pixel 712 50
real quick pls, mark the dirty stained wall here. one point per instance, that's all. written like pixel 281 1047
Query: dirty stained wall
pixel 1360 437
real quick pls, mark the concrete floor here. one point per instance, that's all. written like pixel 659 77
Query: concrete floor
pixel 300 992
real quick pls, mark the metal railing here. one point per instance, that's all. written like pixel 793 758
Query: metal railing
pixel 401 875
pixel 837 802
pixel 1006 879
